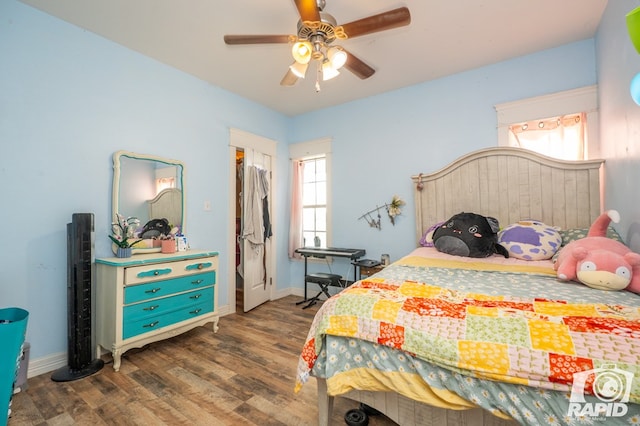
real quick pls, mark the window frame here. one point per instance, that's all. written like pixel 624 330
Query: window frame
pixel 314 149
pixel 584 99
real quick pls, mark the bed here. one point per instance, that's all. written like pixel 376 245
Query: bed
pixel 168 204
pixel 447 340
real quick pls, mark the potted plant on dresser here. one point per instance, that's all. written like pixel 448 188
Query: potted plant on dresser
pixel 123 231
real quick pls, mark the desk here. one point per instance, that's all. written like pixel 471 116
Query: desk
pixel 323 252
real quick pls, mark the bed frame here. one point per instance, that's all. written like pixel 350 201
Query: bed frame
pixel 509 184
pixel 168 205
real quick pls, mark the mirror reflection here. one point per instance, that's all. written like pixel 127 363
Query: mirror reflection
pixel 148 187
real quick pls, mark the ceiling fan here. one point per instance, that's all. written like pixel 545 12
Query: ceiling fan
pixel 317 31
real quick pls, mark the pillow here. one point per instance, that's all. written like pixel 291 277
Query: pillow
pixel 470 235
pixel 530 240
pixel 427 238
pixel 573 234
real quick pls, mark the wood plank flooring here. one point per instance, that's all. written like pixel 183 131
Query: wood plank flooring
pixel 242 375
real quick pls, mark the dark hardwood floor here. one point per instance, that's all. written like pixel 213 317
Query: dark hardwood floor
pixel 242 375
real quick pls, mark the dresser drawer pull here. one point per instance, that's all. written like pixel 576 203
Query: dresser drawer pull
pixel 197 311
pixel 154 273
pixel 151 325
pixel 153 290
pixel 151 308
pixel 199 266
pixel 195 296
pixel 196 282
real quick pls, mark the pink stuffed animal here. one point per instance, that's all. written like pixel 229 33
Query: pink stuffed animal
pixel 600 262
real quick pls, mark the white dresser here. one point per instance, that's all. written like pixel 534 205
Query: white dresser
pixel 151 297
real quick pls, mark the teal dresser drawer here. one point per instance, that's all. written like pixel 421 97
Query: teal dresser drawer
pixel 131 328
pixel 162 305
pixel 141 292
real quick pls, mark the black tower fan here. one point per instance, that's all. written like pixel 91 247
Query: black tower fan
pixel 80 278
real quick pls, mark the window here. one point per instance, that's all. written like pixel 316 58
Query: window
pixel 561 125
pixel 165 178
pixel 563 137
pixel 314 202
pixel 310 212
pixel 165 183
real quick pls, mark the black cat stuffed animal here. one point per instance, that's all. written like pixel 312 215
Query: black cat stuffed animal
pixel 155 227
pixel 470 235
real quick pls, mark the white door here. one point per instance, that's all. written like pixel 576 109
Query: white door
pixel 258 263
pixel 256 250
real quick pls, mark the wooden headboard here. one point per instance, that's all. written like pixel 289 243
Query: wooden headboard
pixel 511 184
pixel 168 205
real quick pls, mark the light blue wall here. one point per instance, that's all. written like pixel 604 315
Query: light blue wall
pixel 617 63
pixel 379 142
pixel 68 100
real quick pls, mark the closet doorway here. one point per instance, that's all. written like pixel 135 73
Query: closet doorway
pixel 252 257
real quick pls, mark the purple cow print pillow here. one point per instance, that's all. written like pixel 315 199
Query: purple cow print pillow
pixel 530 240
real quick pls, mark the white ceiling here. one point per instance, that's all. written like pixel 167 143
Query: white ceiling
pixel 444 37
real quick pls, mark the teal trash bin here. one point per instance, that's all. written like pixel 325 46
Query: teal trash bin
pixel 13 327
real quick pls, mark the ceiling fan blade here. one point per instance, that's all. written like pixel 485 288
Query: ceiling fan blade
pixel 289 79
pixel 384 21
pixel 358 67
pixel 308 10
pixel 257 39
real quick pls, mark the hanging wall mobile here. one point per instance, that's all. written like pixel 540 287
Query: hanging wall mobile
pixel 393 209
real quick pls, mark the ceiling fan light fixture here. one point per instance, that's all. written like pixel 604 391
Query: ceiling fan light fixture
pixel 328 72
pixel 300 70
pixel 317 30
pixel 301 51
pixel 337 56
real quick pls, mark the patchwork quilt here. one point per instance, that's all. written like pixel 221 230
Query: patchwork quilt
pixel 502 320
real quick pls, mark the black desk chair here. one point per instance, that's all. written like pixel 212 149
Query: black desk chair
pixel 324 281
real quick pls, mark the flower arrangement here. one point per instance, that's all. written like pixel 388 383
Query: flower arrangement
pixel 124 229
pixel 395 208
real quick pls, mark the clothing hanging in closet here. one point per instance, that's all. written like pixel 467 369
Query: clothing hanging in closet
pixel 257 224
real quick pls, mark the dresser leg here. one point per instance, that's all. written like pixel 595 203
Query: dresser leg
pixel 117 357
pixel 215 325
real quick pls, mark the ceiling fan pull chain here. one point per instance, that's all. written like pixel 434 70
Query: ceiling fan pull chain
pixel 318 74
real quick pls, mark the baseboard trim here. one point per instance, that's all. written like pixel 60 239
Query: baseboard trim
pixel 225 310
pixel 46 364
pixel 52 362
pixel 291 291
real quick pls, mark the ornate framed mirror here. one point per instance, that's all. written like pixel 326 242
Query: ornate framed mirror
pixel 148 187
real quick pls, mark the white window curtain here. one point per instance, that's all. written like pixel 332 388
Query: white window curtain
pixel 565 103
pixel 295 226
pixel 164 183
pixel 562 137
